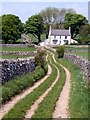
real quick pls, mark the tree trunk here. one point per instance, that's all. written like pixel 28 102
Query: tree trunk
pixel 39 38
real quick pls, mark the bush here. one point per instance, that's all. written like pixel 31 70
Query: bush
pixel 60 51
pixel 40 58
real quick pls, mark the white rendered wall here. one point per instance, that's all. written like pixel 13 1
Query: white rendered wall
pixel 59 39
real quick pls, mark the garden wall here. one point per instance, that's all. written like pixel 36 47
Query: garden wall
pixel 82 62
pixel 12 68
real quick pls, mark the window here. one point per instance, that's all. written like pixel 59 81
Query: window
pixel 60 36
pixel 55 41
pixel 65 37
pixel 66 42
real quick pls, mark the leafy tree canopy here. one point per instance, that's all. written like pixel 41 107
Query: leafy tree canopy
pixel 35 26
pixel 75 21
pixel 84 34
pixel 12 28
pixel 54 17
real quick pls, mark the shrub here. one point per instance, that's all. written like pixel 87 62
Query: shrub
pixel 40 59
pixel 60 51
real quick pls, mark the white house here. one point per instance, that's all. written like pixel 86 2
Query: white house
pixel 59 36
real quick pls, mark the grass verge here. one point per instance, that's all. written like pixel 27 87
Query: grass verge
pixel 23 105
pixel 78 102
pixel 18 84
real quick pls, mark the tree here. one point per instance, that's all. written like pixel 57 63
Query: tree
pixel 35 26
pixel 54 17
pixel 12 28
pixel 75 21
pixel 84 34
pixel 40 58
pixel 60 51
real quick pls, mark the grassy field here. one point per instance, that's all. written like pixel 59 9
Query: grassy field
pixel 16 49
pixel 82 54
pixel 78 102
pixel 77 48
pixel 14 56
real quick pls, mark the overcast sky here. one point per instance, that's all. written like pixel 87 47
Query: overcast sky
pixel 26 8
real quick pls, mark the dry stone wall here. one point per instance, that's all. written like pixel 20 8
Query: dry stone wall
pixel 19 53
pixel 17 45
pixel 82 62
pixel 12 68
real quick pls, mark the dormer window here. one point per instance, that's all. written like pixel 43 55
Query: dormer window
pixel 65 37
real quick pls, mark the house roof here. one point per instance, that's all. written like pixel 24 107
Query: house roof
pixel 60 32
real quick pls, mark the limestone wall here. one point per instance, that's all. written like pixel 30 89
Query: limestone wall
pixel 19 53
pixel 17 45
pixel 12 68
pixel 82 62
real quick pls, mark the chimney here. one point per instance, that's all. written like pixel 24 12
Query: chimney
pixel 50 28
pixel 69 30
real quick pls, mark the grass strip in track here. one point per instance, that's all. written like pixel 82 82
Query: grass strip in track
pixel 47 106
pixel 78 102
pixel 18 84
pixel 23 105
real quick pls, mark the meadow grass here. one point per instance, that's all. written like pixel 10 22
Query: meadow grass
pixel 13 56
pixel 47 106
pixel 82 54
pixel 77 48
pixel 19 110
pixel 78 102
pixel 16 49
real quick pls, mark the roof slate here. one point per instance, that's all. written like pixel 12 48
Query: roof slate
pixel 60 32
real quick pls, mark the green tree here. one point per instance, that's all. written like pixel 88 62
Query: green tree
pixel 84 34
pixel 60 51
pixel 54 17
pixel 75 21
pixel 35 26
pixel 40 58
pixel 12 28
